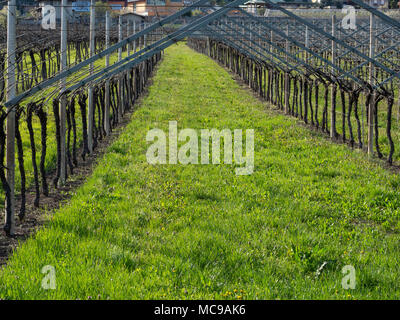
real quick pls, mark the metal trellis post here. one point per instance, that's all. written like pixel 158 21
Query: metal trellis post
pixel 10 142
pixel 371 82
pixel 91 69
pixel 333 92
pixel 107 88
pixel 63 98
pixel 120 92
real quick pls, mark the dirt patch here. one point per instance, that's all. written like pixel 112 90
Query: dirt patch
pixel 35 217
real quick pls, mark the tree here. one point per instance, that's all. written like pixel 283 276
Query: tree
pixel 22 5
pixel 393 4
pixel 3 16
pixel 218 2
pixel 101 8
pixel 326 3
pixel 339 4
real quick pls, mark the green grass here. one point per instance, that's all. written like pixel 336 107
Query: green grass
pixel 139 231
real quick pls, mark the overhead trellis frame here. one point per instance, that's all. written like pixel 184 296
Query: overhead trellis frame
pixel 285 72
pixel 334 79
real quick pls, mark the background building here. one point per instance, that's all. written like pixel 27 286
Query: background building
pixel 151 8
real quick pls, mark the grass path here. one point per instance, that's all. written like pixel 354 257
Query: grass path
pixel 199 231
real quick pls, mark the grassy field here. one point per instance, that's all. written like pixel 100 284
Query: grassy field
pixel 139 231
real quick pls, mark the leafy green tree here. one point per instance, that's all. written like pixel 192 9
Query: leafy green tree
pixel 393 4
pixel 102 7
pixel 339 4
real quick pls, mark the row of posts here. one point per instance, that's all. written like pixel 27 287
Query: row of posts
pixel 372 33
pixel 11 91
pixel 370 120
